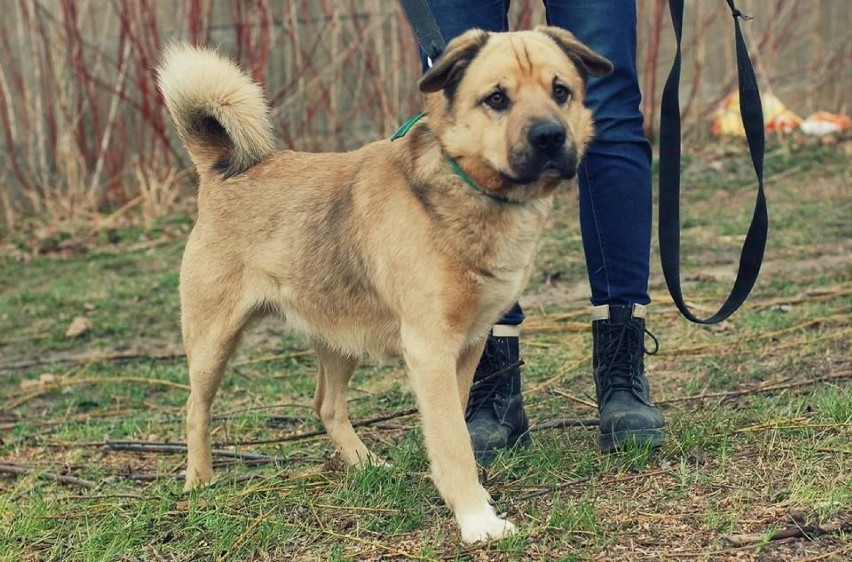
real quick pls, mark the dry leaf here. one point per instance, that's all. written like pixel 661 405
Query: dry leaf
pixel 186 505
pixel 27 383
pixel 79 326
pixel 43 379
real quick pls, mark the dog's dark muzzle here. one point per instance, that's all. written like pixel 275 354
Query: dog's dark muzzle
pixel 548 153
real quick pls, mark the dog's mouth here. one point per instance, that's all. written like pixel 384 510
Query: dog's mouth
pixel 536 168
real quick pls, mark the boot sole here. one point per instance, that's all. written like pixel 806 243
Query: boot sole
pixel 628 439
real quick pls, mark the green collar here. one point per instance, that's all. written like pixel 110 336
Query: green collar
pixel 409 124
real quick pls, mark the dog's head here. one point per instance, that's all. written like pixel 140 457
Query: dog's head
pixel 509 107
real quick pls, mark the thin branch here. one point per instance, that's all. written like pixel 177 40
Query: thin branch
pixel 809 532
pixel 62 383
pixel 584 479
pixel 155 447
pixel 311 434
pixel 140 355
pixel 94 358
pixel 586 423
pixel 68 480
pixel 756 390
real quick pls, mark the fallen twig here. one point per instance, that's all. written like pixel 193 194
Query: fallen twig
pixel 692 350
pixel 501 371
pixel 551 489
pixel 242 538
pixel 147 476
pixel 776 425
pixel 757 390
pixel 155 447
pixel 231 413
pixel 65 382
pixel 565 422
pixel 584 479
pixel 93 358
pixel 800 531
pixel 567 369
pixel 570 396
pixel 275 357
pixel 386 548
pixel 69 480
pixel 310 434
pixel 130 356
pixel 811 296
pixel 29 337
pixel 110 496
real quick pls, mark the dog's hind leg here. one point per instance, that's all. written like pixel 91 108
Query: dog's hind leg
pixel 211 322
pixel 335 370
pixel 434 377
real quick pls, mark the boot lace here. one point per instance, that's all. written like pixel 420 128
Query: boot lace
pixel 486 386
pixel 622 352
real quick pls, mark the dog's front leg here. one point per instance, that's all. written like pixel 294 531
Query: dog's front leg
pixel 465 369
pixel 432 366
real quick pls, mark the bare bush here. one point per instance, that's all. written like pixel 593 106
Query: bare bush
pixel 83 131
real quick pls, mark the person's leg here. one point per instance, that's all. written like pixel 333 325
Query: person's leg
pixel 615 175
pixel 615 219
pixel 495 413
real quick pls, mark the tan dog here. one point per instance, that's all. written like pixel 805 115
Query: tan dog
pixel 385 251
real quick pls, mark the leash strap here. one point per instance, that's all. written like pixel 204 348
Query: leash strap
pixel 425 28
pixel 751 110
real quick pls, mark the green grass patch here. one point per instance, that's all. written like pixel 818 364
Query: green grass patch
pixel 759 410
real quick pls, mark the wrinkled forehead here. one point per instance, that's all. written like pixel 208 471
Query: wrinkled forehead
pixel 529 57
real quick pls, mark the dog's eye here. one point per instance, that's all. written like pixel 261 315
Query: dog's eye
pixel 561 94
pixel 497 100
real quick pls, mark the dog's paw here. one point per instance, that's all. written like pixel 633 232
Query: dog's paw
pixel 484 526
pixel 343 459
pixel 369 460
pixel 373 460
pixel 195 480
pixel 190 486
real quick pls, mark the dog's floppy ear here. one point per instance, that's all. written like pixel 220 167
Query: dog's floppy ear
pixel 586 58
pixel 447 71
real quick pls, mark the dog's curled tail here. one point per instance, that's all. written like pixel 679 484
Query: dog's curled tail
pixel 221 114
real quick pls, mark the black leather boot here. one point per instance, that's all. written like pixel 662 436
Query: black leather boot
pixel 495 409
pixel 627 416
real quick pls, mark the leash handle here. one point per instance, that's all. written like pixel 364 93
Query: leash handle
pixel 751 255
pixel 425 28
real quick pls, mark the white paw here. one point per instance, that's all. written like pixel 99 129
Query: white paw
pixel 484 526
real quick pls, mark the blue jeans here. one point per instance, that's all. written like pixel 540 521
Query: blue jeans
pixel 615 174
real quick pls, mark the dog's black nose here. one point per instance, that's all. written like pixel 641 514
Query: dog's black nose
pixel 547 136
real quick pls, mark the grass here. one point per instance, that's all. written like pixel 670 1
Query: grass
pixel 759 410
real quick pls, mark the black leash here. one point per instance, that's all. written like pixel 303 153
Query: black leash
pixel 751 110
pixel 425 27
pixel 432 42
